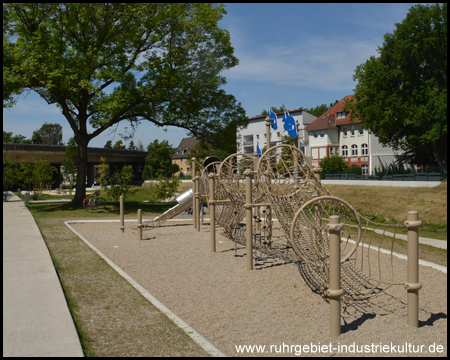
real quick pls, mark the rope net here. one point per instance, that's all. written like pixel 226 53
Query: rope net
pixel 302 205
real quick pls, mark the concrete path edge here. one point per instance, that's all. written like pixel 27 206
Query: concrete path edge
pixel 194 335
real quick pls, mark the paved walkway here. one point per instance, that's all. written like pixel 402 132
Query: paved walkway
pixel 36 319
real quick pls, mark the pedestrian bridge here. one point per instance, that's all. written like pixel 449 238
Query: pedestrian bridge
pixel 24 153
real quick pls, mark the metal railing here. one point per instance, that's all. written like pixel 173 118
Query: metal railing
pixel 425 176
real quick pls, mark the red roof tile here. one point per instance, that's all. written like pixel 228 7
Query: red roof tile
pixel 321 124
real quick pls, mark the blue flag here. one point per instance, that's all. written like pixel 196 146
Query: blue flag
pixel 258 149
pixel 273 116
pixel 290 125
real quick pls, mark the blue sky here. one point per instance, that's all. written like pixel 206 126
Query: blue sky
pixel 299 55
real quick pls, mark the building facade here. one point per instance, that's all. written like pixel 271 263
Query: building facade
pixel 181 156
pixel 255 132
pixel 333 133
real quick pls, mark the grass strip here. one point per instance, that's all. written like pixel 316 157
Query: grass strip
pixel 111 317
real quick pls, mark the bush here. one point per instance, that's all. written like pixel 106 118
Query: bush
pixel 354 169
pixel 333 165
pixel 166 188
pixel 120 183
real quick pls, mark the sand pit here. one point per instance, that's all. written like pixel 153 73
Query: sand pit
pixel 271 306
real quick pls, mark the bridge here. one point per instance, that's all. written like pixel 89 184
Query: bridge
pixel 24 153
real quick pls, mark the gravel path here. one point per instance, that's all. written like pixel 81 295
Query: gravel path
pixel 272 305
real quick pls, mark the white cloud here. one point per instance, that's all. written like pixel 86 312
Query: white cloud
pixel 317 63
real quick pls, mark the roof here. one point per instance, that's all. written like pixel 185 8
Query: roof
pixel 183 149
pixel 322 122
pixel 278 113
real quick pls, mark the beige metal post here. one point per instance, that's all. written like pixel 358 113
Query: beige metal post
pixel 140 224
pixel 413 285
pixel 198 198
pixel 267 133
pixel 194 175
pixel 212 211
pixel 296 170
pixel 257 208
pixel 335 292
pixel 268 211
pixel 268 208
pixel 317 172
pixel 248 217
pixel 122 216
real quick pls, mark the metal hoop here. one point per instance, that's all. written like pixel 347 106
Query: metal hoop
pixel 318 199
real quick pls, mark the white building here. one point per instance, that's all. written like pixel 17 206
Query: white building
pixel 334 132
pixel 256 132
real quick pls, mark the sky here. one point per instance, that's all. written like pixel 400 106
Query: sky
pixel 299 55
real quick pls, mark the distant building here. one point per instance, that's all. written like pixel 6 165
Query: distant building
pixel 181 156
pixel 256 132
pixel 333 133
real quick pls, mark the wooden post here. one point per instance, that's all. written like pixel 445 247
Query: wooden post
pixel 335 292
pixel 212 212
pixel 139 214
pixel 413 285
pixel 122 216
pixel 248 217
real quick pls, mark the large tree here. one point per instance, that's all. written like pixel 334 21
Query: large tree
pixel 401 95
pixel 103 63
pixel 48 134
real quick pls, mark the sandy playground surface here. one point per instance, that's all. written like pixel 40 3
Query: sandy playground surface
pixel 272 305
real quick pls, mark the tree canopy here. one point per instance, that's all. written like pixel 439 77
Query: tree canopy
pixel 103 63
pixel 316 111
pixel 274 109
pixel 159 160
pixel 48 134
pixel 119 145
pixel 319 109
pixel 9 137
pixel 401 95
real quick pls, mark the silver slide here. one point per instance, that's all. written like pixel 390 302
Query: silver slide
pixel 184 202
pixel 185 199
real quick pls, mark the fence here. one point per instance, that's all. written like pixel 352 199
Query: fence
pixel 417 176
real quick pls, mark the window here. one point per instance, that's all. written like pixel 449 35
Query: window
pixel 352 130
pixel 361 131
pixel 188 170
pixel 316 134
pixel 344 150
pixel 365 170
pixel 278 135
pixel 341 114
pixel 345 129
pixel 322 133
pixel 257 137
pixel 364 149
pixel 354 150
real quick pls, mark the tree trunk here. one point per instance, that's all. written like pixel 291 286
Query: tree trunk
pixel 82 159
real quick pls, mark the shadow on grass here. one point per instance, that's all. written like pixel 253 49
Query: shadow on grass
pixel 112 209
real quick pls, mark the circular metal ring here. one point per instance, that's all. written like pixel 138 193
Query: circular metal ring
pixel 320 201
